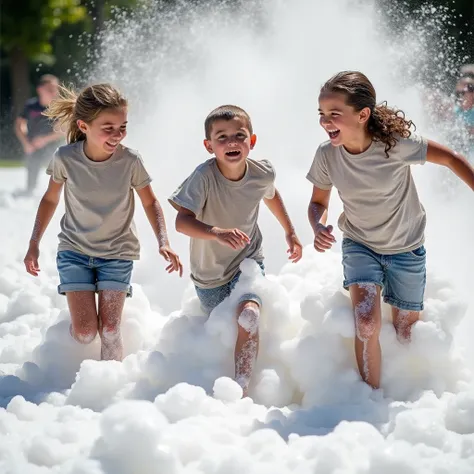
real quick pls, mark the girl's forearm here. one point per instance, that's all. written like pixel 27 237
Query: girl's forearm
pixel 463 170
pixel 317 214
pixel 44 215
pixel 155 216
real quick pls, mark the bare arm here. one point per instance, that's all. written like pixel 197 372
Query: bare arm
pixel 317 214
pixel 277 208
pixel 318 207
pixel 441 155
pixel 187 224
pixel 155 216
pixel 46 209
pixel 154 213
pixel 21 133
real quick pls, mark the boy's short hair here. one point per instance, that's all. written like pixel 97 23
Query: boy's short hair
pixel 226 112
pixel 47 79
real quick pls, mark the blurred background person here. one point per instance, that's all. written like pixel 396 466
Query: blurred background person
pixel 36 133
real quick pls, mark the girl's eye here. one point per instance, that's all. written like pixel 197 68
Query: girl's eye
pixel 221 137
pixel 241 136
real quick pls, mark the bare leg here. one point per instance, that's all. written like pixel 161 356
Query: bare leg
pixel 84 321
pixel 110 316
pixel 403 320
pixel 246 347
pixel 367 312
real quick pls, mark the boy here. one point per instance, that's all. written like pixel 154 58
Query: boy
pixel 218 208
pixel 36 133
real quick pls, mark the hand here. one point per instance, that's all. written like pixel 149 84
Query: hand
pixel 323 238
pixel 28 148
pixel 40 142
pixel 171 256
pixel 233 238
pixel 31 260
pixel 295 248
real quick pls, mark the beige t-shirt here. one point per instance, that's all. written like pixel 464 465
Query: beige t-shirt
pixel 381 208
pixel 99 201
pixel 220 202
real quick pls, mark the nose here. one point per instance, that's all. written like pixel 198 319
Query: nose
pixel 324 120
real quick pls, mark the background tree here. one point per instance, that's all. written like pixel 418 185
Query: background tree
pixel 25 33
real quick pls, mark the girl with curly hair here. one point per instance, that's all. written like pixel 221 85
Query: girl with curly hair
pixel 367 158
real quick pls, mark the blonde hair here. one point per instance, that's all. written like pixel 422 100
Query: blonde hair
pixel 69 107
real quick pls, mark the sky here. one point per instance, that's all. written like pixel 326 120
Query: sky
pixel 171 405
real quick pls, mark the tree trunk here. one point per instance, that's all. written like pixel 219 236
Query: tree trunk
pixel 19 74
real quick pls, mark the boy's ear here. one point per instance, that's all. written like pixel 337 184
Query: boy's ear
pixel 208 146
pixel 253 141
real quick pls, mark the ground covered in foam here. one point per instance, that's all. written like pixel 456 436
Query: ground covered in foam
pixel 171 406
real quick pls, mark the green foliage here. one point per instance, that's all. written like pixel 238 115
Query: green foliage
pixel 29 24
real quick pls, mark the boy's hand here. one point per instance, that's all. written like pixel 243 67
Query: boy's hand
pixel 295 248
pixel 323 238
pixel 233 238
pixel 171 256
pixel 31 260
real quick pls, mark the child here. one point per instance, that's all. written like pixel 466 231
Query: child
pixel 368 158
pixel 98 242
pixel 218 208
pixel 35 132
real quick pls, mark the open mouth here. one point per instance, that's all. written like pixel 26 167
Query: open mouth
pixel 333 133
pixel 232 154
pixel 111 145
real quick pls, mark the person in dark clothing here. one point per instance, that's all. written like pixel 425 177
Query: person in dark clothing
pixel 36 133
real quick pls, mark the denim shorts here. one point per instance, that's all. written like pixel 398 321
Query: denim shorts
pixel 79 272
pixel 212 297
pixel 401 276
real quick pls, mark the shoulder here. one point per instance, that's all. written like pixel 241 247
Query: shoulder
pixel 408 145
pixel 262 167
pixel 325 149
pixel 32 102
pixel 130 154
pixel 68 151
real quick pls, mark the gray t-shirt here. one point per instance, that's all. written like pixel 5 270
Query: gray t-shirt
pixel 99 201
pixel 381 208
pixel 219 202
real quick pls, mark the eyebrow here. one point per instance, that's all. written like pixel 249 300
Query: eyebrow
pixel 111 123
pixel 240 130
pixel 331 110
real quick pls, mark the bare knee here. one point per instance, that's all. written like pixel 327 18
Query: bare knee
pixel 365 311
pixel 249 319
pixel 83 334
pixel 110 332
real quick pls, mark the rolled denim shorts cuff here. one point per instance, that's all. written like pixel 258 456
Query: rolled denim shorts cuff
pixel 66 287
pixel 358 281
pixel 405 305
pixel 115 285
pixel 250 297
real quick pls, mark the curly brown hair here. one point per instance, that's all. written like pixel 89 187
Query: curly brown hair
pixel 385 124
pixel 70 106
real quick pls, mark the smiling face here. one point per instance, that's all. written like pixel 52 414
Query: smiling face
pixel 105 132
pixel 343 124
pixel 231 142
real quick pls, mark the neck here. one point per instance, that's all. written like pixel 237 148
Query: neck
pixel 233 173
pixel 94 154
pixel 359 144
